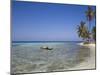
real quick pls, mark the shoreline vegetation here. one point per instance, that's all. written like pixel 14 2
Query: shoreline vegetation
pixel 85 30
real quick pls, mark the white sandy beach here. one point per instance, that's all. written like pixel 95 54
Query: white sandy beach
pixel 88 63
pixel 90 45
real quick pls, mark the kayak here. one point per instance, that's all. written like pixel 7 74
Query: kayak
pixel 46 48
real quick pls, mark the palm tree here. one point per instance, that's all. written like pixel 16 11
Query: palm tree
pixel 94 33
pixel 90 15
pixel 82 31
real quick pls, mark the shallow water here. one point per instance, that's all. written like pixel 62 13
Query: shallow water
pixel 28 57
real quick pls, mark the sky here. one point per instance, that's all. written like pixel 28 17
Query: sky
pixel 35 21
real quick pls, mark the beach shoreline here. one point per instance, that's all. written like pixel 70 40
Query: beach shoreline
pixel 90 44
pixel 88 63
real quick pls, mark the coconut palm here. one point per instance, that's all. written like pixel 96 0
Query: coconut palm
pixel 82 31
pixel 94 33
pixel 90 15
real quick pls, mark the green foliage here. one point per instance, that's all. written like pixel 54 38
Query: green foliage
pixel 90 14
pixel 82 31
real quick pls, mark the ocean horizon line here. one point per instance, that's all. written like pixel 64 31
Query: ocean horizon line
pixel 42 41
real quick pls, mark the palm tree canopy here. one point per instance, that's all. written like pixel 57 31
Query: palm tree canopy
pixel 82 30
pixel 90 14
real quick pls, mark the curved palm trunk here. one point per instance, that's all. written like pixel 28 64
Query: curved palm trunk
pixel 89 31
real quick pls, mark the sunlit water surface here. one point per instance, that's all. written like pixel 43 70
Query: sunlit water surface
pixel 30 58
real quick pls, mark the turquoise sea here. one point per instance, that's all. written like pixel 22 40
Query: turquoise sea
pixel 28 57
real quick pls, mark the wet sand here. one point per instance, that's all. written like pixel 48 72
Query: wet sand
pixel 88 63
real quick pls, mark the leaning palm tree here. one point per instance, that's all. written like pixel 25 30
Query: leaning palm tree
pixel 82 31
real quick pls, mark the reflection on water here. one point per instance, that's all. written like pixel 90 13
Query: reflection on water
pixel 28 57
